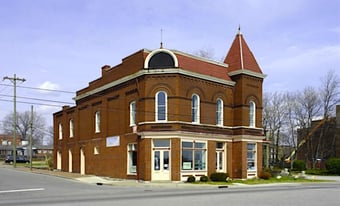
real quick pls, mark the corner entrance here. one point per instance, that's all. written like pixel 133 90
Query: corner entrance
pixel 161 160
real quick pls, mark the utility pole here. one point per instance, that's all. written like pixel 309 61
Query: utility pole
pixel 14 81
pixel 31 137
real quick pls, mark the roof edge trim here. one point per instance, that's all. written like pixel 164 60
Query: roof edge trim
pixel 150 72
pixel 247 72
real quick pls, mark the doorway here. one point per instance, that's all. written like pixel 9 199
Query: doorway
pixel 58 160
pixel 82 161
pixel 161 160
pixel 70 160
pixel 161 165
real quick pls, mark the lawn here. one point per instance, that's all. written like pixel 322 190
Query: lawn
pixel 284 179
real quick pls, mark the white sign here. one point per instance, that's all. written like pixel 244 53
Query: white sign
pixel 112 141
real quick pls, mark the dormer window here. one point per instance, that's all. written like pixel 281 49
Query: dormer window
pixel 161 59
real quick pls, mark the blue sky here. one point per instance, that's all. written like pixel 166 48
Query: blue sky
pixel 62 44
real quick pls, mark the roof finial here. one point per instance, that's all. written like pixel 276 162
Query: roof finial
pixel 161 38
pixel 239 30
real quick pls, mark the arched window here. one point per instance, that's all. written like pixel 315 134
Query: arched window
pixel 60 128
pixel 161 60
pixel 71 124
pixel 252 114
pixel 161 106
pixel 133 113
pixel 97 122
pixel 195 108
pixel 219 112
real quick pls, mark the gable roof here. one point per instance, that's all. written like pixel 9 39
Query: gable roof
pixel 240 56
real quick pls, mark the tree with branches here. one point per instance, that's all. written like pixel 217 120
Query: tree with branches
pixel 23 126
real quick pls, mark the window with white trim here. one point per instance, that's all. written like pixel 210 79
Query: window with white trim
pixel 97 122
pixel 132 158
pixel 71 125
pixel 219 112
pixel 194 155
pixel 161 106
pixel 60 129
pixel 133 113
pixel 220 157
pixel 195 108
pixel 252 114
pixel 251 157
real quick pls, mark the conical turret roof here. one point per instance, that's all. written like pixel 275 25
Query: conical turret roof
pixel 240 56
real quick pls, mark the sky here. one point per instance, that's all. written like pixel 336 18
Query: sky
pixel 61 45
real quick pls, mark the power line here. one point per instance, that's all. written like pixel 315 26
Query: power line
pixel 41 89
pixel 37 99
pixel 34 103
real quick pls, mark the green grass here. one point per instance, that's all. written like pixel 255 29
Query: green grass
pixel 272 180
pixel 36 164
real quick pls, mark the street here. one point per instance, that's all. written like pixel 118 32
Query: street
pixel 25 188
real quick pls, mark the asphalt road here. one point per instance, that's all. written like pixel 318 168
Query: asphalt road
pixel 24 188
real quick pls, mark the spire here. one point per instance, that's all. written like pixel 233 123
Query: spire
pixel 239 30
pixel 240 57
pixel 161 38
pixel 239 34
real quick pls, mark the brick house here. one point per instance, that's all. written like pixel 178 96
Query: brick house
pixel 165 115
pixel 320 141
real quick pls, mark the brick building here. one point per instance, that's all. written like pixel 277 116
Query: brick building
pixel 165 115
pixel 321 141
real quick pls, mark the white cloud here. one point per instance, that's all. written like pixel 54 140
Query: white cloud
pixel 48 86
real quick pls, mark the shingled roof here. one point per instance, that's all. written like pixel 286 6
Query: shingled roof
pixel 240 56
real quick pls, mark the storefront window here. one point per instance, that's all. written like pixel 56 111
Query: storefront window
pixel 251 157
pixel 132 158
pixel 193 155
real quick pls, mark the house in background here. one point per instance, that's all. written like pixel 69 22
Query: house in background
pixel 166 115
pixel 22 147
pixel 320 142
pixel 6 144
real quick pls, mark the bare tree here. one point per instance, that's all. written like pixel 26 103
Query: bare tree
pixel 274 114
pixel 207 53
pixel 291 123
pixel 329 95
pixel 308 107
pixel 330 92
pixel 23 126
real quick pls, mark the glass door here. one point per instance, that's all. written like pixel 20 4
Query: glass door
pixel 161 165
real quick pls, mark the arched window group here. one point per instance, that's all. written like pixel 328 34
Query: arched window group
pixel 162 110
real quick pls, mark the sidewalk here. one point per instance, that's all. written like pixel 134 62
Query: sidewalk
pixel 92 179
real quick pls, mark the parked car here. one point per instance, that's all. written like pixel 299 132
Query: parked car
pixel 19 159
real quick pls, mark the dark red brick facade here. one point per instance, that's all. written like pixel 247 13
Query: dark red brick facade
pixel 134 80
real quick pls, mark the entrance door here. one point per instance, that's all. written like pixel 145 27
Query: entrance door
pixel 161 164
pixel 58 160
pixel 82 162
pixel 70 161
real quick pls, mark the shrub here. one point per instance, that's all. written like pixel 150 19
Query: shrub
pixel 191 178
pixel 265 175
pixel 204 178
pixel 299 165
pixel 49 162
pixel 219 177
pixel 333 166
